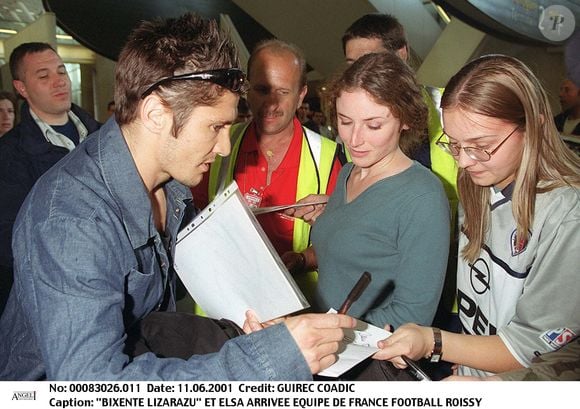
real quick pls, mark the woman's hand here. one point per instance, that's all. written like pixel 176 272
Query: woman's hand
pixel 410 340
pixel 308 213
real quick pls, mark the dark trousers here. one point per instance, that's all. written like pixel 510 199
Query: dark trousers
pixel 178 335
pixel 372 370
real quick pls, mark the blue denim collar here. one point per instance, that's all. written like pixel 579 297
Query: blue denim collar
pixel 124 182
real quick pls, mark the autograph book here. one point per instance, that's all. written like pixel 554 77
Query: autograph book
pixel 228 264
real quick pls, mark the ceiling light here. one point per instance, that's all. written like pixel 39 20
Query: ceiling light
pixel 444 16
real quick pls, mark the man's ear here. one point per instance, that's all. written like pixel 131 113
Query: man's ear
pixel 302 94
pixel 403 53
pixel 20 88
pixel 153 114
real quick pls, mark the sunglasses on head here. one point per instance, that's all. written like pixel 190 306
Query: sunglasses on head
pixel 230 78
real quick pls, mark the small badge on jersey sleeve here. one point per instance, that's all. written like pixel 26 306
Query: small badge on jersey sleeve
pixel 557 338
pixel 518 246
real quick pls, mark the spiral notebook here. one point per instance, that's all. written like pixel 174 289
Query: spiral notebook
pixel 228 264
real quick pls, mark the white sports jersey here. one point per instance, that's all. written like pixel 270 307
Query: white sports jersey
pixel 528 296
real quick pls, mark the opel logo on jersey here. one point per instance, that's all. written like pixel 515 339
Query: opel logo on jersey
pixel 479 276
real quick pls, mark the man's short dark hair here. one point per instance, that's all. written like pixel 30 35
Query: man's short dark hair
pixel 163 48
pixel 382 26
pixel 20 52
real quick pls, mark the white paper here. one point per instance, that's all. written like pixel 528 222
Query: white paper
pixel 228 265
pixel 357 345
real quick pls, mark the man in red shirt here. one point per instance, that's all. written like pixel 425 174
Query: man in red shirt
pixel 275 160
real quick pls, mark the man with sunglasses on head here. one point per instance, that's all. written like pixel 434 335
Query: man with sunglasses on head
pixel 95 239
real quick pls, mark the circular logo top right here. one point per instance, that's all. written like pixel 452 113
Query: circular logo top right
pixel 556 22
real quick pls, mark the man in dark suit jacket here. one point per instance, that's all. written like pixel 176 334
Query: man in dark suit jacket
pixel 568 121
pixel 50 127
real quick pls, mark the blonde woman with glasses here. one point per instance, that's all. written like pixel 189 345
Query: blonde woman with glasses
pixel 518 271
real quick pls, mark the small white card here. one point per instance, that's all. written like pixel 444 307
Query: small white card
pixel 356 346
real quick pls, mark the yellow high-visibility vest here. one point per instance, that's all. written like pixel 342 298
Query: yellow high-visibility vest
pixel 445 167
pixel 442 163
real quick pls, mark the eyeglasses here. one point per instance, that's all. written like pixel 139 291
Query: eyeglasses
pixel 478 154
pixel 230 78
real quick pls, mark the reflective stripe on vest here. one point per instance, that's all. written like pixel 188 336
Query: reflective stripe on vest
pixel 316 158
pixel 442 163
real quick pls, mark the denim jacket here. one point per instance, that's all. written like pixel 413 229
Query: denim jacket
pixel 89 263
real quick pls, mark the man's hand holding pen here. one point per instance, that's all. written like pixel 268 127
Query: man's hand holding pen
pixel 317 335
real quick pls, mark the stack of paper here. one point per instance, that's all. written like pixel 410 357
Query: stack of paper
pixel 228 264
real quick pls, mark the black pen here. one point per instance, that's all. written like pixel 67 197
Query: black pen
pixel 356 291
pixel 354 295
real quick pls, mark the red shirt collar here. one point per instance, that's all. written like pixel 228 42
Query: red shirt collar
pixel 250 141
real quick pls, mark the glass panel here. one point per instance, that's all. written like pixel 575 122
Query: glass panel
pixel 74 72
